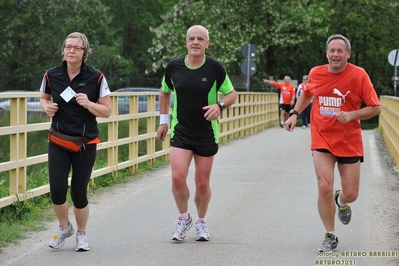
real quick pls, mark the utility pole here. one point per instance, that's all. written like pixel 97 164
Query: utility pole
pixel 248 68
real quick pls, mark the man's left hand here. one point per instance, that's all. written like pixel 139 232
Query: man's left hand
pixel 212 112
pixel 343 117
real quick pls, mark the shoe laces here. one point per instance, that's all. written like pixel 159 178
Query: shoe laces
pixel 327 242
pixel 201 226
pixel 180 225
pixel 60 231
pixel 81 236
pixel 329 239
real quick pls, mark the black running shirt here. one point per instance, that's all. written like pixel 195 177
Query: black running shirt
pixel 194 88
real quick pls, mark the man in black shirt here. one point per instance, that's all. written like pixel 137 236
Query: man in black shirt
pixel 195 80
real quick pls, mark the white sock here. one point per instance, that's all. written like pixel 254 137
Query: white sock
pixel 200 220
pixel 185 216
pixel 332 232
pixel 340 203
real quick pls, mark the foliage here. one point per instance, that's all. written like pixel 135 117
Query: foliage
pixel 290 35
pixel 268 25
pixel 136 39
pixel 34 48
pixel 132 20
pixel 371 26
pixel 17 219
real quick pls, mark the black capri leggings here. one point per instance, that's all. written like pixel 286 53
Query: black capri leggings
pixel 59 165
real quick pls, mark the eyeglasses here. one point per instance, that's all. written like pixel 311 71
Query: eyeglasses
pixel 339 51
pixel 76 48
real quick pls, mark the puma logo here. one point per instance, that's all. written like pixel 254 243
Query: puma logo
pixel 336 91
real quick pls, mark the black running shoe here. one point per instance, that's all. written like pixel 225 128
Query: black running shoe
pixel 344 213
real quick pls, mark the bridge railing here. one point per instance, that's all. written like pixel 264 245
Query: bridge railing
pixel 389 124
pixel 251 113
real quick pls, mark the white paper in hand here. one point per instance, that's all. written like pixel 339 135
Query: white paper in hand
pixel 68 94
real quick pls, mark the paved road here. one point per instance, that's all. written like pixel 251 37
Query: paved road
pixel 262 212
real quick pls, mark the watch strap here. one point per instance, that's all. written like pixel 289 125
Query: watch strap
pixel 294 112
pixel 222 106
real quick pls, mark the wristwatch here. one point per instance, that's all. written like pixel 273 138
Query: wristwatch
pixel 222 106
pixel 294 112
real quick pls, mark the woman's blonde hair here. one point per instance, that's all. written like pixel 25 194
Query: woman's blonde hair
pixel 85 41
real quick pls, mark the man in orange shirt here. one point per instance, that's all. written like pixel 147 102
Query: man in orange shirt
pixel 287 97
pixel 338 90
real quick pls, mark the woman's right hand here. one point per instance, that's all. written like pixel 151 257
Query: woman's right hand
pixel 51 109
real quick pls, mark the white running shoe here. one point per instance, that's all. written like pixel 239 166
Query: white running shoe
pixel 329 243
pixel 58 239
pixel 182 226
pixel 81 241
pixel 201 229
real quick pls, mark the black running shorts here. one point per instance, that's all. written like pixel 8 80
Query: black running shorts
pixel 205 150
pixel 285 107
pixel 344 160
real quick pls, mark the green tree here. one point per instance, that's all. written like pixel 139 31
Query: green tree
pixel 34 30
pixel 132 22
pixel 290 36
pixel 269 25
pixel 372 28
pixel 137 38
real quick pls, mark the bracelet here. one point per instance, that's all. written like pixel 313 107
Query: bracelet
pixel 294 112
pixel 163 119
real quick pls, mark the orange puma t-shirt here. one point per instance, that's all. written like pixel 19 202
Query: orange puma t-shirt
pixel 334 92
pixel 287 92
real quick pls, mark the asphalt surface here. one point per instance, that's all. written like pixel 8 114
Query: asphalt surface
pixel 263 212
